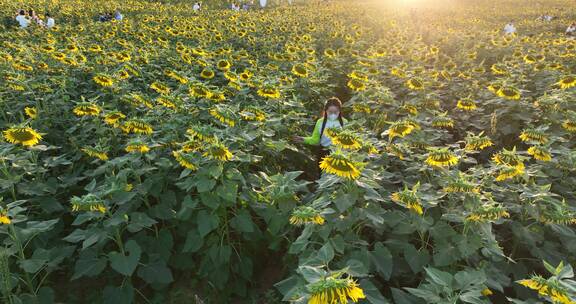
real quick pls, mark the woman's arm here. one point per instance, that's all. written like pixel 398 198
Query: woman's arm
pixel 315 138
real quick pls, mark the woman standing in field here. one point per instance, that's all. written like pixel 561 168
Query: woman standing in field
pixel 331 118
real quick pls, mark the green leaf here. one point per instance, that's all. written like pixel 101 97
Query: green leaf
pixel 428 295
pixel 118 295
pixel 126 264
pixel 326 253
pixel 311 274
pixel 156 273
pixel 193 242
pixel 242 222
pixel 206 222
pixel 372 293
pixel 345 201
pixel 139 220
pixel 89 265
pixel 205 184
pixel 382 259
pixel 439 277
pixel 416 259
pixel 467 278
pixel 36 262
pixel 356 268
pixel 228 191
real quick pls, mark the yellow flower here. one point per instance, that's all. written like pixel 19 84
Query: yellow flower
pixel 441 158
pixel 218 151
pixel 137 126
pixel 87 109
pixel 356 85
pixel 509 172
pixel 95 152
pixel 186 160
pixel 409 199
pixel 477 142
pixel 22 135
pixel 222 117
pixel 140 148
pixel 4 219
pixel 567 82
pixel 335 291
pixel 487 292
pixel 466 104
pixel 305 214
pixel 299 70
pixel 199 90
pixel 443 121
pixel 160 88
pixel 401 129
pixel 207 73
pixel 569 125
pixel 345 139
pixel 113 117
pixel 415 84
pixel 533 135
pixel 252 114
pixel 103 80
pixel 223 65
pixel 539 153
pixel 269 92
pixel 88 202
pixel 31 112
pixel 509 93
pixel 339 165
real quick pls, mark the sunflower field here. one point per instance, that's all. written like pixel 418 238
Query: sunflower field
pixel 150 160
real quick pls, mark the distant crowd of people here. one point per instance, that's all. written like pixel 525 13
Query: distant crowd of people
pixel 570 32
pixel 105 17
pixel 26 18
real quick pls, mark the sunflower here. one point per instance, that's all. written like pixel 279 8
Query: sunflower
pixel 477 142
pixel 494 87
pixel 356 85
pixel 113 117
pixel 222 117
pixel 4 219
pixel 269 92
pixel 461 185
pixel 201 133
pixel 509 172
pixel 346 140
pixel 304 215
pixel 567 82
pixel 333 290
pixel 137 148
pixel 487 213
pixel 556 293
pixel 533 135
pixel 339 165
pixel 539 153
pixel 96 152
pixel 89 202
pixel 124 74
pixel 400 129
pixel 31 112
pixel 508 92
pixel 443 121
pixel 569 125
pixel 160 88
pixel 223 65
pixel 253 114
pixel 25 136
pixel 409 199
pixel 330 53
pixel 300 70
pixel 415 83
pixel 358 75
pixel 137 126
pixel 207 73
pixel 87 109
pixel 199 90
pixel 466 104
pixel 218 151
pixel 185 159
pixel 103 80
pixel 441 157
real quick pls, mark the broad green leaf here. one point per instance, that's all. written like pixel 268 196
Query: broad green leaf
pixel 126 264
pixel 193 242
pixel 155 273
pixel 382 259
pixel 372 293
pixel 89 264
pixel 439 277
pixel 416 259
pixel 206 222
pixel 326 253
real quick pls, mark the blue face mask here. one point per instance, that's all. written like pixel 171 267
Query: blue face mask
pixel 332 116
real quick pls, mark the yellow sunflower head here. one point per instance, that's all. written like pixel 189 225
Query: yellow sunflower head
pixel 22 135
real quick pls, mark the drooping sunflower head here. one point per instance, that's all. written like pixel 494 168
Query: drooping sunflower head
pixel 202 133
pixel 31 112
pixel 346 139
pixel 207 73
pixel 137 147
pixel 160 88
pixel 356 85
pixel 340 165
pixel 223 65
pixel 567 82
pixel 443 121
pixel 415 83
pixel 96 152
pixel 223 116
pixel 186 159
pixel 87 109
pixel 533 135
pixel 401 128
pixel 509 92
pixel 466 104
pixel 253 114
pixel 335 290
pixel 487 213
pixel 441 157
pixel 25 136
pixel 409 199
pixel 509 158
pixel 88 202
pixel 358 75
pixel 137 126
pixel 199 90
pixel 269 92
pixel 4 218
pixel 103 80
pixel 540 153
pixel 218 151
pixel 306 215
pixel 477 142
pixel 300 70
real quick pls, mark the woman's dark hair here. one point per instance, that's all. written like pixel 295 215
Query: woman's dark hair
pixel 22 12
pixel 332 101
pixel 31 12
